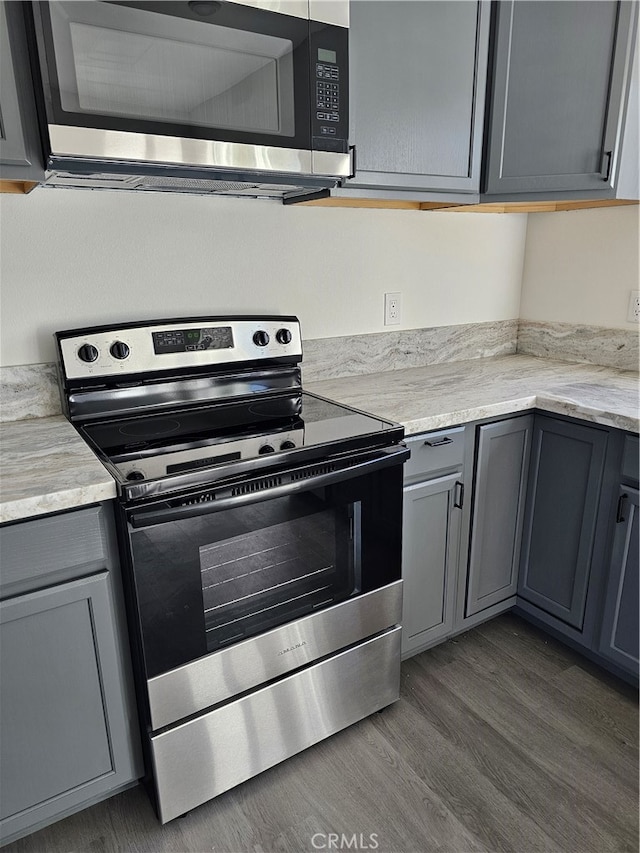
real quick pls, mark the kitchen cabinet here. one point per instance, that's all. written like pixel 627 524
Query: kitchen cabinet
pixel 466 101
pixel 21 156
pixel 68 730
pixel 433 493
pixel 417 84
pixel 501 468
pixel 620 629
pixel 567 564
pixel 565 482
pixel 561 70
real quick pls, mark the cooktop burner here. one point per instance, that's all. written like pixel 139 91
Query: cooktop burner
pixel 149 428
pixel 117 437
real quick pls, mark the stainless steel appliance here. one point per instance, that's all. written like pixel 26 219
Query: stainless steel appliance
pixel 244 98
pixel 260 530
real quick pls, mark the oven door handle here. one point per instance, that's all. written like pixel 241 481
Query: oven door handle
pixel 383 459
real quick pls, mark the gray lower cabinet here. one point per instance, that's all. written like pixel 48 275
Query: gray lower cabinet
pixel 502 462
pixel 620 627
pixel 21 156
pixel 565 482
pixel 417 83
pixel 68 730
pixel 559 87
pixel 431 537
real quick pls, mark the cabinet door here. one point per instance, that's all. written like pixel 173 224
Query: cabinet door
pixel 565 477
pixel 561 73
pixel 619 635
pixel 20 151
pixel 498 512
pixel 63 731
pixel 417 81
pixel 431 533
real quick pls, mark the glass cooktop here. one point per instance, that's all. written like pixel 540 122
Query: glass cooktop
pixel 149 447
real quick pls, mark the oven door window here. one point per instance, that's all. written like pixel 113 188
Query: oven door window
pixel 236 74
pixel 205 582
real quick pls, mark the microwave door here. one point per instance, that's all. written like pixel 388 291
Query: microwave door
pixel 160 82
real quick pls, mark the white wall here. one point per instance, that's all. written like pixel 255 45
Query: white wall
pixel 580 266
pixel 75 257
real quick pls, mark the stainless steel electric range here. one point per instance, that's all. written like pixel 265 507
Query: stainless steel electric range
pixel 260 534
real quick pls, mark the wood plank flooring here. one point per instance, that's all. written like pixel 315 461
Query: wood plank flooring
pixel 503 740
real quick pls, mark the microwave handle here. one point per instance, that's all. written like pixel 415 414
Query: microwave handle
pixel 383 459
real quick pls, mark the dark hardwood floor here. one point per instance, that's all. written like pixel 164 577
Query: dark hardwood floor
pixel 503 740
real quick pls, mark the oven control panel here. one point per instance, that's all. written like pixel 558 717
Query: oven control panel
pixel 146 348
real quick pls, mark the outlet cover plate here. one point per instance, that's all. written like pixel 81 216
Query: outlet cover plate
pixel 633 314
pixel 392 309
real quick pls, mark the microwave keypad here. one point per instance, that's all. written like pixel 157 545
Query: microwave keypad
pixel 327 95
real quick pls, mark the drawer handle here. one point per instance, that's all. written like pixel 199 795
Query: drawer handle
pixel 439 442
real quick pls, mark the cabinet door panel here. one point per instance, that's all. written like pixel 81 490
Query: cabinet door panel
pixel 498 514
pixel 53 725
pixel 565 482
pixel 619 636
pixel 21 156
pixel 430 543
pixel 417 112
pixel 557 94
pixel 64 731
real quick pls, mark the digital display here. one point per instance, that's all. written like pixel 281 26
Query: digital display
pixel 325 55
pixel 192 340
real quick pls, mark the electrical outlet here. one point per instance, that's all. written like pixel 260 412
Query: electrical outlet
pixel 633 314
pixel 392 306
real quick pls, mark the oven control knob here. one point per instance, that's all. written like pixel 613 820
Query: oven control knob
pixel 88 353
pixel 287 445
pixel 283 336
pixel 266 448
pixel 261 338
pixel 119 350
pixel 135 475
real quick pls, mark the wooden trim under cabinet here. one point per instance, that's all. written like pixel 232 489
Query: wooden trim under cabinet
pixel 17 187
pixel 450 207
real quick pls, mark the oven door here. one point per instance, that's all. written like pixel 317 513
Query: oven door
pixel 246 582
pixel 195 84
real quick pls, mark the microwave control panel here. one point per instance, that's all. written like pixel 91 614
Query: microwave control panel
pixel 329 97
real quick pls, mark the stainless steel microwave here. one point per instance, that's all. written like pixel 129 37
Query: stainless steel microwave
pixel 243 97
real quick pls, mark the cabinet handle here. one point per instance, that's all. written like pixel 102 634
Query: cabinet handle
pixel 606 158
pixel 620 511
pixel 459 498
pixel 439 442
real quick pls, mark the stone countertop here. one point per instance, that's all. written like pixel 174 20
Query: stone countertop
pixel 443 395
pixel 46 467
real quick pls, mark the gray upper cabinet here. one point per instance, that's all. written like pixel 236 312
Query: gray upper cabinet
pixel 502 464
pixel 417 84
pixel 565 481
pixel 68 726
pixel 21 156
pixel 561 73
